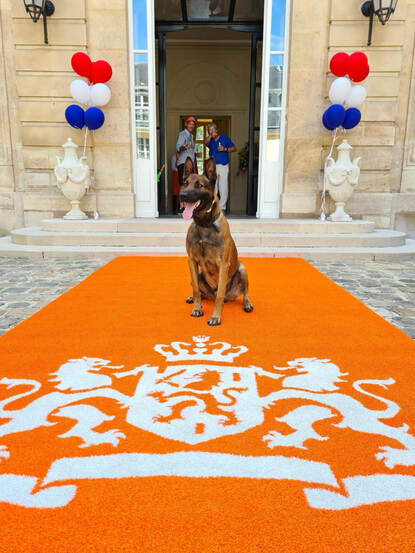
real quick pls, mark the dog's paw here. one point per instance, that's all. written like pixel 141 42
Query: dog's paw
pixel 248 308
pixel 196 313
pixel 214 321
pixel 189 299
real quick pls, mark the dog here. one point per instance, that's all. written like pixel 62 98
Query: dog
pixel 215 271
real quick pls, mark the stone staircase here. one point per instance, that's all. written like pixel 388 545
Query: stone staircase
pixel 307 238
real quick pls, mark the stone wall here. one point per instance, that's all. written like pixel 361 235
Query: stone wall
pixel 34 92
pixel 38 76
pixel 385 139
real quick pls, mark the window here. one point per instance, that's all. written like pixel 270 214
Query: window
pixel 276 67
pixel 141 91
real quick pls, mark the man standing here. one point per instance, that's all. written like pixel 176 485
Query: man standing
pixel 185 146
pixel 219 147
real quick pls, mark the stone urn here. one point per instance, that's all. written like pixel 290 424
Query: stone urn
pixel 342 176
pixel 72 175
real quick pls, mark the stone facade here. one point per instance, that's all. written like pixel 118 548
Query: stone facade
pixel 34 92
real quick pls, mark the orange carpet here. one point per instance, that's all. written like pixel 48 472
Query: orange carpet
pixel 128 426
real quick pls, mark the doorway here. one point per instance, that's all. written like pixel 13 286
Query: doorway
pixel 232 65
pixel 208 73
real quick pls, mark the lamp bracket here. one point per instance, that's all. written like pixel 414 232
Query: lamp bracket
pixel 49 8
pixel 367 8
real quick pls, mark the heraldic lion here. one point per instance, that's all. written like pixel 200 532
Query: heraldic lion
pixel 315 380
pixel 80 377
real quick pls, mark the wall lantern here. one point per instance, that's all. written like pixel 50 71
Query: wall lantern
pixel 382 8
pixel 36 8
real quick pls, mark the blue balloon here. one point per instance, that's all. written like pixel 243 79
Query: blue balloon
pixel 75 116
pixel 352 118
pixel 335 115
pixel 94 118
pixel 324 120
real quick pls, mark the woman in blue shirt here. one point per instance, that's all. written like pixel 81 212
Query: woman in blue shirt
pixel 219 147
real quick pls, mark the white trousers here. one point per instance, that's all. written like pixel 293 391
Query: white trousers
pixel 222 185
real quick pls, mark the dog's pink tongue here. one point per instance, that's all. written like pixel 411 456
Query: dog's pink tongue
pixel 188 211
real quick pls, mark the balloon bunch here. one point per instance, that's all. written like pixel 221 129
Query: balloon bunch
pixel 92 94
pixel 342 92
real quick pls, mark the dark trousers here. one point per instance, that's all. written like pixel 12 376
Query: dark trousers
pixel 180 170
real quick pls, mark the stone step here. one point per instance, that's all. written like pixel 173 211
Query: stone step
pixel 377 238
pixel 247 225
pixel 397 253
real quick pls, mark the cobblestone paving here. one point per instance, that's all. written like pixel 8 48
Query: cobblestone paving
pixel 27 284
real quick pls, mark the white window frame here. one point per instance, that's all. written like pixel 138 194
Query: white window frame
pixel 144 170
pixel 271 173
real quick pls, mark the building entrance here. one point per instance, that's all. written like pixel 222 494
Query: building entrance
pixel 209 66
pixel 223 60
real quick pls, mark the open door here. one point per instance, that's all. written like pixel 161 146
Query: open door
pixel 273 107
pixel 143 101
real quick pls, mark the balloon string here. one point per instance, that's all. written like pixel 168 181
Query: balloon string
pixel 86 134
pixel 323 192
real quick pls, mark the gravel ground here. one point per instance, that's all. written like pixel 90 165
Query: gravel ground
pixel 27 284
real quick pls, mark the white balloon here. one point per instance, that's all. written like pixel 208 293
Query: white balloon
pixel 356 96
pixel 339 90
pixel 80 91
pixel 100 94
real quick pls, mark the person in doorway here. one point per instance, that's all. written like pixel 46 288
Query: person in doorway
pixel 185 145
pixel 219 147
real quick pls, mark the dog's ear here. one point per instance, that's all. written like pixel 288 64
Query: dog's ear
pixel 209 169
pixel 188 167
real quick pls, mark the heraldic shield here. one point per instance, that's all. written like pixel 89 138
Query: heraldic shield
pixel 196 403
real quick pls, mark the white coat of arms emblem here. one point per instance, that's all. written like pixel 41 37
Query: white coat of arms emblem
pixel 201 394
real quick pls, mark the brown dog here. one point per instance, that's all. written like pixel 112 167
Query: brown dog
pixel 215 270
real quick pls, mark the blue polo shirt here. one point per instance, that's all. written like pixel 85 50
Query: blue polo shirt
pixel 221 158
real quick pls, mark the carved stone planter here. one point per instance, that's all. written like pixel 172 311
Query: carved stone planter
pixel 72 175
pixel 342 178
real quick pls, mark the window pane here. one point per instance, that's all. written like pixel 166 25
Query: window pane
pixel 199 133
pixel 273 135
pixel 275 81
pixel 141 80
pixel 168 9
pixel 274 120
pixel 199 149
pixel 213 10
pixel 277 25
pixel 140 24
pixel 143 147
pixel 142 133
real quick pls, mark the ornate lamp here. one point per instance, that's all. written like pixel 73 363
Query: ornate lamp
pixel 382 8
pixel 36 8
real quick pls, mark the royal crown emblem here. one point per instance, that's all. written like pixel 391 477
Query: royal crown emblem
pixel 202 350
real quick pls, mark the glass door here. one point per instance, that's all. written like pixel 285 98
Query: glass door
pixel 273 106
pixel 202 151
pixel 142 71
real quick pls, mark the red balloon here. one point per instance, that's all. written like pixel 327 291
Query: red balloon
pixel 360 75
pixel 338 64
pixel 81 64
pixel 357 64
pixel 101 72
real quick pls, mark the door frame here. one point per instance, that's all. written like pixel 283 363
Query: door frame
pixel 144 170
pixel 269 191
pixel 255 29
